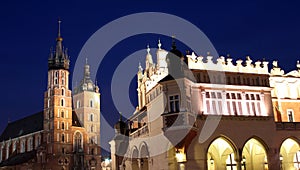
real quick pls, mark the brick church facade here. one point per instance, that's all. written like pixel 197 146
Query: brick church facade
pixel 62 136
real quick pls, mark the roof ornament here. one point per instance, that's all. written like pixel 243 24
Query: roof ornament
pixel 140 67
pixel 148 49
pixel 86 60
pixel 59 22
pixel 159 44
pixel 173 42
pixel 298 65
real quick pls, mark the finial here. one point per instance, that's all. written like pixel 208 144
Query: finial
pixel 298 65
pixel 148 49
pixel 228 56
pixel 58 34
pixel 173 42
pixel 140 67
pixel 208 53
pixel 159 44
pixel 86 60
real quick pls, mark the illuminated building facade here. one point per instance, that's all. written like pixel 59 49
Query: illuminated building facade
pixel 198 112
pixel 59 137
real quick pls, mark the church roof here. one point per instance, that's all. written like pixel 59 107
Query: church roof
pixel 19 159
pixel 24 126
pixel 30 124
pixel 75 120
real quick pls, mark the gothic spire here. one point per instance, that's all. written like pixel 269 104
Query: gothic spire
pixel 59 59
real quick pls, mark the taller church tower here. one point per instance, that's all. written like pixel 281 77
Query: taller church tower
pixel 58 105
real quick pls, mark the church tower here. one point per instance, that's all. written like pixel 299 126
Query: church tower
pixel 58 105
pixel 86 100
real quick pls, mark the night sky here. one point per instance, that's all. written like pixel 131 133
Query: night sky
pixel 269 30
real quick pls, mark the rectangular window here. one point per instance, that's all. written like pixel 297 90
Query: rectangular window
pixel 290 115
pixel 174 103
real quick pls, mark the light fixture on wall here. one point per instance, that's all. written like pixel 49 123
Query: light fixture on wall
pixel 180 155
pixel 212 161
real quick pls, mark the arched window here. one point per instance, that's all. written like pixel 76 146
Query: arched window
pixel 91 103
pixel 77 142
pixel 92 128
pixel 63 92
pixel 48 104
pixel 62 102
pixel 62 125
pixel 77 104
pixel 91 117
pixel 62 114
pixel 63 137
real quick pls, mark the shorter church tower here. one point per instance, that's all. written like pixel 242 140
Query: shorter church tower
pixel 86 100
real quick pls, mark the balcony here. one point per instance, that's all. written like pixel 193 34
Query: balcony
pixel 287 125
pixel 140 132
pixel 179 120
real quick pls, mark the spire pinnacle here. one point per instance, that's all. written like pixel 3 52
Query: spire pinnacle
pixel 86 60
pixel 59 38
pixel 159 44
pixel 173 42
pixel 148 49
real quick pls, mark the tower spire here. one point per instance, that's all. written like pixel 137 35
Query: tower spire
pixel 58 33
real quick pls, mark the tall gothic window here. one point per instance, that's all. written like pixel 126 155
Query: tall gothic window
pixel 91 103
pixel 77 142
pixel 91 117
pixel 62 102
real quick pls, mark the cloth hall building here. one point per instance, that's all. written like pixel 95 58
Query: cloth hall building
pixel 62 136
pixel 198 112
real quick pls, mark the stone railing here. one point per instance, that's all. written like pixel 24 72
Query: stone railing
pixel 140 132
pixel 179 120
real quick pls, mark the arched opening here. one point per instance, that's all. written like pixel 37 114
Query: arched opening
pixel 221 155
pixel 254 155
pixel 78 142
pixel 134 159
pixel 289 154
pixel 144 157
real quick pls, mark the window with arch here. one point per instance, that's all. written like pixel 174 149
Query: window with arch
pixel 92 117
pixel 62 125
pixel 92 128
pixel 63 137
pixel 78 104
pixel 297 160
pixel 230 162
pixel 77 142
pixel 22 146
pixel 62 114
pixel 30 144
pixel 63 92
pixel 62 102
pixel 91 103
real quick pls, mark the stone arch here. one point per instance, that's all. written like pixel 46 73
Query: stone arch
pixel 144 156
pixel 78 141
pixel 289 153
pixel 254 154
pixel 134 158
pixel 222 154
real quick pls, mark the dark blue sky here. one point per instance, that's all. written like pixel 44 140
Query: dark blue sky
pixel 268 29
